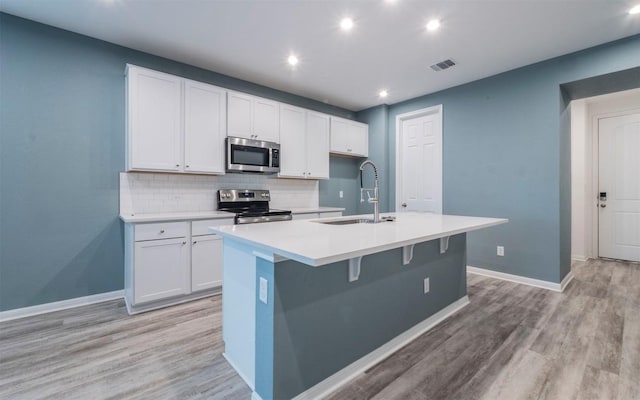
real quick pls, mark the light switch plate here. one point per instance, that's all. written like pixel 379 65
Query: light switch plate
pixel 426 285
pixel 264 290
pixel 341 194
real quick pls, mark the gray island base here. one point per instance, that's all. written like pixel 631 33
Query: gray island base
pixel 296 330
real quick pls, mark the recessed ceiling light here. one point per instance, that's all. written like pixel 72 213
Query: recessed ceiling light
pixel 635 10
pixel 346 24
pixel 433 25
pixel 383 93
pixel 292 60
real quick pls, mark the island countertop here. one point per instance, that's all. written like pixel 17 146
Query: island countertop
pixel 315 244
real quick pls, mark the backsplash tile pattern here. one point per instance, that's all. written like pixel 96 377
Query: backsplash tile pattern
pixel 144 192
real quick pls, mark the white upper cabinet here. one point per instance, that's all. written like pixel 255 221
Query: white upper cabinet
pixel 239 120
pixel 252 117
pixel 204 127
pixel 154 120
pixel 318 126
pixel 174 124
pixel 266 124
pixel 349 137
pixel 293 161
pixel 304 143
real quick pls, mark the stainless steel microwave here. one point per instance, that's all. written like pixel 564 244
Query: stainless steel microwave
pixel 246 155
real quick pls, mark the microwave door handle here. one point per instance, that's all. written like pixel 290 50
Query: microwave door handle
pixel 270 158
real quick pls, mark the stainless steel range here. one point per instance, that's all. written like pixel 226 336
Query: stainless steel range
pixel 250 206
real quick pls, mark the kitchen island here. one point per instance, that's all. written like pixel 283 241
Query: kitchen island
pixel 308 304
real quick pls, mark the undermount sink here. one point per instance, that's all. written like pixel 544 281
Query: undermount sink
pixel 353 221
pixel 347 221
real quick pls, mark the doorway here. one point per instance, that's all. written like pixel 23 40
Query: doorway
pixel 419 161
pixel 605 143
pixel 619 187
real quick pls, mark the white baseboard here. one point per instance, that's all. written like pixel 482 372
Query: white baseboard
pixel 577 257
pixel 556 287
pixel 330 384
pixel 567 279
pixel 243 376
pixel 60 305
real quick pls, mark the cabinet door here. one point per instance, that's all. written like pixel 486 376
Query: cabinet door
pixel 292 142
pixel 206 262
pixel 239 115
pixel 161 270
pixel 359 139
pixel 204 127
pixel 317 145
pixel 339 135
pixel 154 120
pixel 266 120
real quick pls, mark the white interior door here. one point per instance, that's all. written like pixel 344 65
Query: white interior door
pixel 420 162
pixel 619 187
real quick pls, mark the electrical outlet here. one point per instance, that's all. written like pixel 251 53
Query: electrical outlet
pixel 264 290
pixel 500 251
pixel 341 194
pixel 426 285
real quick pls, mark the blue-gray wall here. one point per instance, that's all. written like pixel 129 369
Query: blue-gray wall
pixel 316 322
pixel 507 153
pixel 61 149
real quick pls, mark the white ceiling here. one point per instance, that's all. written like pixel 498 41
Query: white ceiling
pixel 388 47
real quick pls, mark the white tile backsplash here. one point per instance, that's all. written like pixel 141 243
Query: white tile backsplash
pixel 144 192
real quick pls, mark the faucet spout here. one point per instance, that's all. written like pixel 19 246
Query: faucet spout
pixel 375 200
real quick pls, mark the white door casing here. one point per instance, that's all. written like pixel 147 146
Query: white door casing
pixel 419 161
pixel 619 177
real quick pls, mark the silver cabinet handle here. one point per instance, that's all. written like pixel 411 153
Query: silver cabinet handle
pixel 403 204
pixel 187 166
pixel 184 243
pixel 177 165
pixel 195 242
pixel 161 230
pixel 603 205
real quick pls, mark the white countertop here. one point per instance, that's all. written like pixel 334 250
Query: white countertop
pixel 318 244
pixel 197 215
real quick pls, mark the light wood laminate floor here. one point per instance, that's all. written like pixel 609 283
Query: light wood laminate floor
pixel 512 342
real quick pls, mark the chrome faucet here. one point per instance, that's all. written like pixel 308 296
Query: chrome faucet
pixel 376 197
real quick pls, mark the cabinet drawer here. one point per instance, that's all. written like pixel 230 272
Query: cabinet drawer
pixel 201 227
pixel 160 230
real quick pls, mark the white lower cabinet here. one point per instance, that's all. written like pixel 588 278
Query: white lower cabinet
pixel 171 262
pixel 161 269
pixel 168 263
pixel 206 262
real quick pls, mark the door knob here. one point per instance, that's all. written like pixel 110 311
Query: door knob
pixel 404 204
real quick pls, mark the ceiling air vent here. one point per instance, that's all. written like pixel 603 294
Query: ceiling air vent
pixel 442 65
